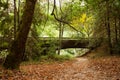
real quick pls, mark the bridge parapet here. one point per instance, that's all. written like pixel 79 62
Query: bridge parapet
pixel 65 42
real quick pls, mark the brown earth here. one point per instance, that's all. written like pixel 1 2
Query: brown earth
pixel 105 68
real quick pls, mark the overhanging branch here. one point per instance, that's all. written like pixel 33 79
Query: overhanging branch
pixel 65 22
pixel 60 20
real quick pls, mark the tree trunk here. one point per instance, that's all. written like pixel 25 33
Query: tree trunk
pixel 60 37
pixel 119 27
pixel 116 39
pixel 15 18
pixel 108 27
pixel 17 48
pixel 18 15
pixel 119 24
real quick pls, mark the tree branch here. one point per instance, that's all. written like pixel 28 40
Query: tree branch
pixel 59 20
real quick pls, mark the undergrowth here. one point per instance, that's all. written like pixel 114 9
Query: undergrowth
pixel 48 59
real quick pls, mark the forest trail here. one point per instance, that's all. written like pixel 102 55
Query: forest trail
pixel 106 68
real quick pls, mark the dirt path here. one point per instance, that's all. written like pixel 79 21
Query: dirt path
pixel 79 69
pixel 72 72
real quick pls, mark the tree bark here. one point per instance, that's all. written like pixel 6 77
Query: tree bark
pixel 60 38
pixel 119 27
pixel 18 15
pixel 116 38
pixel 119 24
pixel 17 48
pixel 15 18
pixel 108 27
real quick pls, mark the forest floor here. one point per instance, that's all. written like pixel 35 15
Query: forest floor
pixel 104 68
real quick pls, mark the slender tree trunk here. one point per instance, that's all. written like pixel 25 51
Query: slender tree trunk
pixel 60 37
pixel 18 15
pixel 7 7
pixel 119 24
pixel 17 48
pixel 62 29
pixel 15 18
pixel 119 27
pixel 116 39
pixel 108 28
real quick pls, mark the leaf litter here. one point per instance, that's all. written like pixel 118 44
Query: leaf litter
pixel 105 68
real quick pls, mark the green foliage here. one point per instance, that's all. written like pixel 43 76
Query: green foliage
pixel 33 49
pixel 6 19
pixel 85 24
pixel 56 57
pixel 37 47
pixel 47 59
pixel 3 54
pixel 116 48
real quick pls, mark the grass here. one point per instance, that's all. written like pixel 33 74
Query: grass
pixel 48 59
pixel 57 57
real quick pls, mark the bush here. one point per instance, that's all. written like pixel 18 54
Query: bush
pixel 36 48
pixel 56 57
pixel 3 53
pixel 116 48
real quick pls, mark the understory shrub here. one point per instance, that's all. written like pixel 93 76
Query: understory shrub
pixel 56 57
pixel 116 48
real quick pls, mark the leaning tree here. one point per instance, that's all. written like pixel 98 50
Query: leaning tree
pixel 17 48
